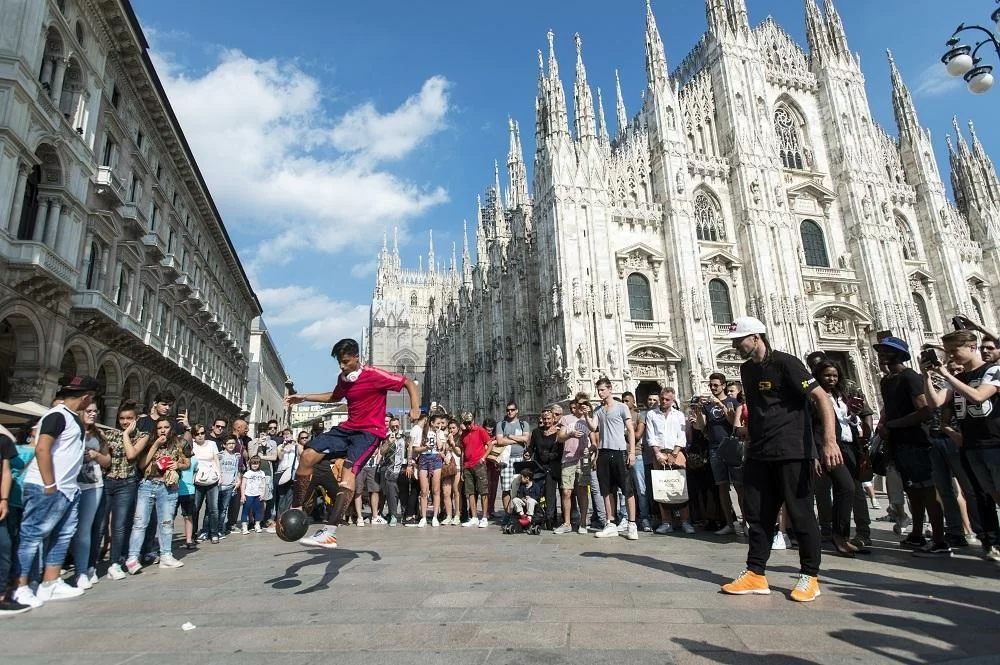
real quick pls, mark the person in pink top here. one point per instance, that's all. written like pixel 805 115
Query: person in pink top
pixel 355 440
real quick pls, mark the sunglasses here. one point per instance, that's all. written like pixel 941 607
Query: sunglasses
pixel 217 426
pixel 511 410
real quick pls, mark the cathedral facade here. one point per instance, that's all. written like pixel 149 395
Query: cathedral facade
pixel 753 180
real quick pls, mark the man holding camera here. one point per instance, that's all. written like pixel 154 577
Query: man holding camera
pixel 973 397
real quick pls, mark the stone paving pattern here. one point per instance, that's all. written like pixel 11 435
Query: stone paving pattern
pixel 453 595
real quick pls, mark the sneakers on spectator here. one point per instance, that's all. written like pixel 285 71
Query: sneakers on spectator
pixel 747 583
pixel 392 521
pixel 322 538
pixel 623 527
pixel 992 554
pixel 168 560
pixel 133 566
pixel 806 590
pixel 582 530
pixel 25 596
pixel 57 590
pixel 271 529
pixel 244 530
pixel 422 523
pixel 687 528
pixel 913 542
pixel 92 574
pixel 727 530
pixel 473 521
pixel 362 521
pixel 646 527
pixel 12 607
pixel 664 529
pixel 608 531
pixel 631 531
pixel 561 529
pixel 483 523
pixel 933 551
pixel 779 541
pixel 435 521
pixel 956 541
pixel 972 540
pixel 379 521
pixel 202 537
pixel 257 528
pixel 83 582
pixel 115 572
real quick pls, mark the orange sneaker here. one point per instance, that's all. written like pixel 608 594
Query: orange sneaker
pixel 747 583
pixel 807 590
pixel 321 538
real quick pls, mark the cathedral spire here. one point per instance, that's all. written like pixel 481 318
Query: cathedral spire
pixel 481 254
pixel 583 102
pixel 430 252
pixel 963 147
pixel 517 174
pixel 977 147
pixel 541 103
pixel 656 58
pixel 835 27
pixel 602 124
pixel 902 101
pixel 724 16
pixel 558 116
pixel 466 256
pixel 622 117
pixel 395 247
pixel 816 34
pixel 454 259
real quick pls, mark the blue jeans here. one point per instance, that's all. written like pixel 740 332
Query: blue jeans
pixel 639 478
pixel 209 495
pixel 165 500
pixel 86 533
pixel 253 508
pixel 6 555
pixel 946 461
pixel 47 529
pixel 119 497
pixel 225 499
pixel 597 499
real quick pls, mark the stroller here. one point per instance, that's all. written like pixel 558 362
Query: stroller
pixel 533 524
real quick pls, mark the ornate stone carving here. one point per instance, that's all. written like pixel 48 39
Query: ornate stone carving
pixel 698 304
pixel 755 191
pixel 613 359
pixel 831 325
pixel 609 309
pixel 582 364
pixel 680 181
pixel 648 354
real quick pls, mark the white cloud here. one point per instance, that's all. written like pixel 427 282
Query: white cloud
pixel 323 321
pixel 365 269
pixel 935 81
pixel 273 155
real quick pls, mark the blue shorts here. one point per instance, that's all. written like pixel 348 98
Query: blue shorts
pixel 722 472
pixel 430 463
pixel 355 446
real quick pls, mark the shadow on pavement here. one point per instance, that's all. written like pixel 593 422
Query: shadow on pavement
pixel 335 560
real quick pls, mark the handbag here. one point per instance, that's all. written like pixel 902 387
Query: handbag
pixel 733 451
pixel 206 475
pixel 670 485
pixel 286 474
pixel 878 455
pixel 450 468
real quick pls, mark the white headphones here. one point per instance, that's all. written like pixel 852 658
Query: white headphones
pixel 353 376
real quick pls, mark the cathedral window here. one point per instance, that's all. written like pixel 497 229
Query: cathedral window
pixel 925 319
pixel 789 142
pixel 906 237
pixel 708 221
pixel 979 311
pixel 722 307
pixel 413 299
pixel 814 244
pixel 640 299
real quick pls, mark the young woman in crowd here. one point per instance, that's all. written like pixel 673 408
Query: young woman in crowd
pixel 451 465
pixel 842 477
pixel 284 476
pixel 206 483
pixel 90 480
pixel 121 482
pixel 160 467
pixel 455 440
pixel 429 464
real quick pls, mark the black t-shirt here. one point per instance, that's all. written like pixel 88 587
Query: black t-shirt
pixel 898 391
pixel 147 424
pixel 980 423
pixel 7 448
pixel 717 425
pixel 545 447
pixel 777 393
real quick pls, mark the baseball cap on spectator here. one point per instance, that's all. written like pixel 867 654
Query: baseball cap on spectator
pixel 76 385
pixel 467 417
pixel 745 326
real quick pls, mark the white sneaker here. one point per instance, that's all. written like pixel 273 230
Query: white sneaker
pixel 664 529
pixel 483 523
pixel 687 528
pixel 379 521
pixel 83 582
pixel 623 527
pixel 168 561
pixel 779 542
pixel 25 596
pixel 92 574
pixel 632 531
pixel 57 590
pixel 727 530
pixel 257 529
pixel 422 523
pixel 561 529
pixel 115 572
pixel 608 531
pixel 992 555
pixel 244 530
pixel 472 522
pixel 435 521
pixel 361 521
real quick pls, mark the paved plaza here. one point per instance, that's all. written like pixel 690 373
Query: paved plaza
pixel 453 595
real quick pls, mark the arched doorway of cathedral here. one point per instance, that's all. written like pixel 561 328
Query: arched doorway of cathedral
pixel 650 368
pixel 842 332
pixel 20 358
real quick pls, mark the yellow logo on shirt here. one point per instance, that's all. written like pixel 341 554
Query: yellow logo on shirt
pixel 764 385
pixel 806 384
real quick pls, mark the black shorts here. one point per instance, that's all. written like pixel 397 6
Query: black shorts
pixel 613 473
pixel 186 505
pixel 355 446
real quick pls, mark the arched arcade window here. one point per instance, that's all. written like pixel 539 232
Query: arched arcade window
pixel 722 307
pixel 640 299
pixel 789 142
pixel 814 244
pixel 707 218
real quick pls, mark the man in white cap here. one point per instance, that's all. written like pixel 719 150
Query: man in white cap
pixel 781 456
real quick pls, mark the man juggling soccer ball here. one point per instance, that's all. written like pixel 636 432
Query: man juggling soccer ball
pixel 355 440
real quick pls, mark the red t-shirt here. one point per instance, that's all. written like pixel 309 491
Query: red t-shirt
pixel 366 399
pixel 474 442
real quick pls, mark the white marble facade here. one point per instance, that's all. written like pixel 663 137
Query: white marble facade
pixel 753 180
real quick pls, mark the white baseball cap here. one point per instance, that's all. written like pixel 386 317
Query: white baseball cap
pixel 744 326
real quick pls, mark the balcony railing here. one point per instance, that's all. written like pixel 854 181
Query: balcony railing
pixel 661 328
pixel 109 185
pixel 98 302
pixel 153 244
pixel 170 265
pixel 37 255
pixel 134 217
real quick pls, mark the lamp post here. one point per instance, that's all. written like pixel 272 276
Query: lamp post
pixel 962 59
pixel 289 390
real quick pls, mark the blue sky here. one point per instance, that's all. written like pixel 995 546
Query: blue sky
pixel 317 129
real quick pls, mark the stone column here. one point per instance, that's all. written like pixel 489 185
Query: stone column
pixel 85 266
pixel 17 205
pixel 43 213
pixel 52 225
pixel 57 82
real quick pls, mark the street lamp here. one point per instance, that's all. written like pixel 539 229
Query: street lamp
pixel 961 59
pixel 289 390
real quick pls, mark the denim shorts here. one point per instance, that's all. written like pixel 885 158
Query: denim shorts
pixel 913 462
pixel 430 463
pixel 722 472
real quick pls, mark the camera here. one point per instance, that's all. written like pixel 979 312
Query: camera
pixel 930 357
